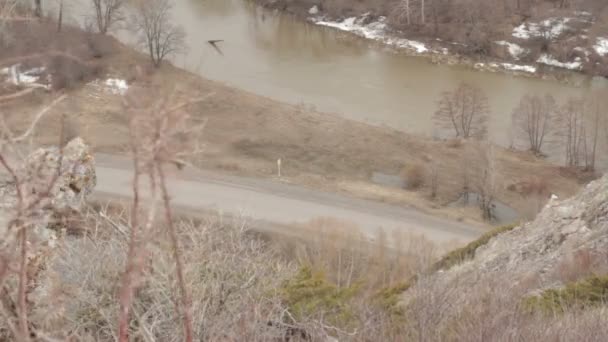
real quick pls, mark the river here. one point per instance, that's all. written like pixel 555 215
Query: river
pixel 283 58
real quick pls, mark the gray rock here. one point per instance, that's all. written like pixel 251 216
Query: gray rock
pixel 68 176
pixel 536 250
pixel 77 174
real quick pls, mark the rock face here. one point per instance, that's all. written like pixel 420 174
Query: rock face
pixel 77 173
pixel 567 241
pixel 70 187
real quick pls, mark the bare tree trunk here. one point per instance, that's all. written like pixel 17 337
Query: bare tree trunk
pixel 434 179
pixel 593 121
pixel 60 19
pixel 422 12
pixel 486 182
pixel 38 8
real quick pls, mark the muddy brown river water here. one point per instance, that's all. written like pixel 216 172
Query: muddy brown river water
pixel 283 58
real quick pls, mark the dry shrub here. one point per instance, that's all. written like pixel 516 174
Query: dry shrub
pixel 579 264
pixel 531 186
pixel 454 143
pixel 492 311
pixel 581 175
pixel 69 73
pixel 229 166
pixel 348 256
pixel 355 282
pixel 414 176
pixel 232 276
pixel 99 45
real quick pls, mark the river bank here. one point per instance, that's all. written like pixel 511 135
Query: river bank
pixel 556 48
pixel 246 134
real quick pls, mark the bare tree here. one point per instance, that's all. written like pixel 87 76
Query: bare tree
pixel 38 8
pixel 573 131
pixel 534 119
pixel 6 11
pixel 107 13
pixel 593 115
pixel 485 180
pixel 434 179
pixel 580 121
pixel 410 10
pixel 156 32
pixel 60 16
pixel 465 110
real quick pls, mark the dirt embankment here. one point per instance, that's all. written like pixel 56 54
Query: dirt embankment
pixel 245 134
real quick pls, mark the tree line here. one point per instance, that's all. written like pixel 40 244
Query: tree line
pixel 150 20
pixel 578 127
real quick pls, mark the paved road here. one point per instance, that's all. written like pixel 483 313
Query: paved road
pixel 277 202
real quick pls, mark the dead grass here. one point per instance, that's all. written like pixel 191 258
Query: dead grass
pixel 232 277
pixel 414 176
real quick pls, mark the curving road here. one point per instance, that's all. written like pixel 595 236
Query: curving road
pixel 282 204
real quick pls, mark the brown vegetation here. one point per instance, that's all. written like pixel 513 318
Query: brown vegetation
pixel 581 123
pixel 255 131
pixel 535 118
pixel 107 14
pixel 414 176
pixel 472 27
pixel 465 111
pixel 141 273
pixel 157 34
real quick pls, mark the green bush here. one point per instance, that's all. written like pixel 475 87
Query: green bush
pixel 589 292
pixel 310 294
pixel 388 298
pixel 467 252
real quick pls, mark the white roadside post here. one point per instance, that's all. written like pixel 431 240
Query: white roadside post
pixel 279 167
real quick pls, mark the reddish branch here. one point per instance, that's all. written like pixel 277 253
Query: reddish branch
pixel 186 301
pixel 23 281
pixel 126 292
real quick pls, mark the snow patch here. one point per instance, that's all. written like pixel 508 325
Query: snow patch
pixel 374 31
pixel 408 44
pixel 15 76
pixel 111 85
pixel 514 50
pixel 314 10
pixel 508 66
pixel 601 46
pixel 550 60
pixel 517 67
pixel 117 86
pixel 550 28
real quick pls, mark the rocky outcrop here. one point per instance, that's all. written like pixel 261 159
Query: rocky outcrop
pixel 55 181
pixel 568 240
pixel 76 174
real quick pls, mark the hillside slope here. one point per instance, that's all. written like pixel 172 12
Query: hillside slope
pixel 486 295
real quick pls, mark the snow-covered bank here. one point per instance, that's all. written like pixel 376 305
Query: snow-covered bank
pixel 113 86
pixel 519 47
pixel 601 46
pixel 515 50
pixel 550 28
pixel 528 69
pixel 577 64
pixel 15 76
pixel 376 30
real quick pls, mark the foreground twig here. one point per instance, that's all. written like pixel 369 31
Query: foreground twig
pixel 186 301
